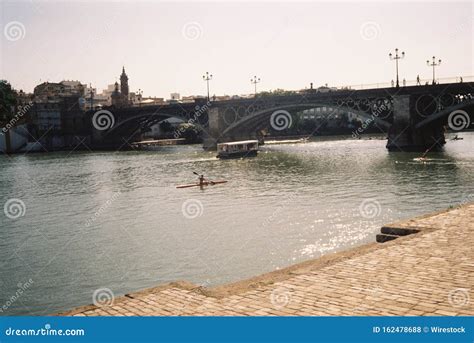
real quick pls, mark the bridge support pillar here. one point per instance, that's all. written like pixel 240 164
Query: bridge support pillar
pixel 217 126
pixel 211 137
pixel 404 137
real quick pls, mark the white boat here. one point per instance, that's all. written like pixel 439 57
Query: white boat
pixel 237 149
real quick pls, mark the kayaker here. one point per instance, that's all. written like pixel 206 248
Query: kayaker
pixel 201 180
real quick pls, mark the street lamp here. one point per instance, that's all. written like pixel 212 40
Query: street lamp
pixel 255 80
pixel 140 92
pixel 91 94
pixel 207 78
pixel 396 58
pixel 433 64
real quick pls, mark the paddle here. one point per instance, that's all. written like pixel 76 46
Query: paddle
pixel 425 153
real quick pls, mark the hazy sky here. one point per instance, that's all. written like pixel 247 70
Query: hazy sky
pixel 167 47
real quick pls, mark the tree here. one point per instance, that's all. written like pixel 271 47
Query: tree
pixel 190 132
pixel 166 126
pixel 8 101
pixel 276 92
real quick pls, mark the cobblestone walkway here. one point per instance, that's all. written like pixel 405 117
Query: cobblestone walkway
pixel 428 273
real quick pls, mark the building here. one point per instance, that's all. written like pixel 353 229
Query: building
pixel 47 115
pixel 156 131
pixel 53 101
pixel 57 117
pixel 149 101
pixel 105 97
pixel 193 98
pixel 222 97
pixel 95 102
pixel 120 98
pixel 51 90
pixel 175 96
pixel 73 88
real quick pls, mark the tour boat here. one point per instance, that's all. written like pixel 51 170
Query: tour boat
pixel 237 149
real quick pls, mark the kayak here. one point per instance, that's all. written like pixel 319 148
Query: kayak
pixel 421 159
pixel 205 183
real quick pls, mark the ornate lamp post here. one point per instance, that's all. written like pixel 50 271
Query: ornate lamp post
pixel 140 92
pixel 207 78
pixel 255 80
pixel 433 64
pixel 91 96
pixel 396 58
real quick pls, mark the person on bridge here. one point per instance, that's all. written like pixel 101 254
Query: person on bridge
pixel 393 83
pixel 418 83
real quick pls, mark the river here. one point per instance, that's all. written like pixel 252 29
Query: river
pixel 115 219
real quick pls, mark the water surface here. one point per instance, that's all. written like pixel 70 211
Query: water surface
pixel 116 220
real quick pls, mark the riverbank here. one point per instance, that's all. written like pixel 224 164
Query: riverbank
pixel 430 272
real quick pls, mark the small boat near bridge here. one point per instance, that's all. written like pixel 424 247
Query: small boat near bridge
pixel 237 149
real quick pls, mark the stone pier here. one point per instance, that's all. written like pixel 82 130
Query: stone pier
pixel 427 273
pixel 408 110
pixel 217 125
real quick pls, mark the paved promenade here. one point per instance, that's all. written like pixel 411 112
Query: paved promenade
pixel 427 273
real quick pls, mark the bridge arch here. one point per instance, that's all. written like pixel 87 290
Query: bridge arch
pixel 131 125
pixel 465 106
pixel 257 119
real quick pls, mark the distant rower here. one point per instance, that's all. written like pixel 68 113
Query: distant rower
pixel 201 180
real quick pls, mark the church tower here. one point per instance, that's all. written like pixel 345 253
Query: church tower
pixel 124 84
pixel 116 96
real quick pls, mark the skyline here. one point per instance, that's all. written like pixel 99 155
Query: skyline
pixel 167 47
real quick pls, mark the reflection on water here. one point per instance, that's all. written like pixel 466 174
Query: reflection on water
pixel 116 220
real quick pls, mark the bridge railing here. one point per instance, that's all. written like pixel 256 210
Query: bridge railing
pixel 410 83
pixel 403 83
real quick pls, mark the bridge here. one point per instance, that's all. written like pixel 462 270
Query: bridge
pixel 414 117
